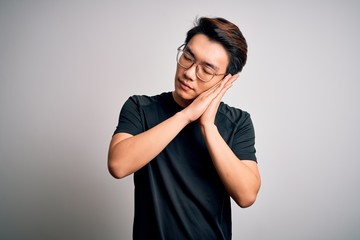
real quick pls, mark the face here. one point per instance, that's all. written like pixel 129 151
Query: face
pixel 205 52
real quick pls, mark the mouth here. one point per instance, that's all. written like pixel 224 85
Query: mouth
pixel 184 85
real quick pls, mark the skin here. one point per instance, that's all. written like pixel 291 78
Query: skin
pixel 128 153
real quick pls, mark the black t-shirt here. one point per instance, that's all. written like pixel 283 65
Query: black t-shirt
pixel 179 195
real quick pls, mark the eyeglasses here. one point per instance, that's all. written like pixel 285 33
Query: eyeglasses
pixel 203 72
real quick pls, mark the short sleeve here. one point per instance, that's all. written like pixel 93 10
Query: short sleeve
pixel 130 118
pixel 244 140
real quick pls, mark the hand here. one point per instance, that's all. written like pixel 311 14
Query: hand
pixel 209 100
pixel 208 117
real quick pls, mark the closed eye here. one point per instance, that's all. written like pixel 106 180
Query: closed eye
pixel 188 56
pixel 207 70
pixel 207 64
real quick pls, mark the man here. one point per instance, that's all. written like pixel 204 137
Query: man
pixel 189 151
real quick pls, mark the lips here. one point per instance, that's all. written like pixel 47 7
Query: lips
pixel 184 85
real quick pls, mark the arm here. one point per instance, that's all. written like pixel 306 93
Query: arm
pixel 240 178
pixel 128 153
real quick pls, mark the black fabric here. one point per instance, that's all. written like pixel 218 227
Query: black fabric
pixel 179 195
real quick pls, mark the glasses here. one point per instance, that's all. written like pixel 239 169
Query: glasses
pixel 203 72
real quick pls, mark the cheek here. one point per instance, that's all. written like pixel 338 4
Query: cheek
pixel 179 71
pixel 206 86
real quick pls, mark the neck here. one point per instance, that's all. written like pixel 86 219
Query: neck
pixel 183 103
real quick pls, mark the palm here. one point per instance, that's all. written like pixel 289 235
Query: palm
pixel 208 117
pixel 205 106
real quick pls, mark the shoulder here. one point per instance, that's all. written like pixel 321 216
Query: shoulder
pixel 145 100
pixel 233 114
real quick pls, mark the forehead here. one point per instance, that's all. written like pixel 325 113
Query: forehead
pixel 206 50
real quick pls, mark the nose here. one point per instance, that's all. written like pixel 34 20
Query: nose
pixel 190 73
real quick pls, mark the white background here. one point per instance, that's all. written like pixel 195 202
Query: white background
pixel 66 68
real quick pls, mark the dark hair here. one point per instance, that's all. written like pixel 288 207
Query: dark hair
pixel 228 35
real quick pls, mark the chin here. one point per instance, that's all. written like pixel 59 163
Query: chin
pixel 182 98
pixel 185 95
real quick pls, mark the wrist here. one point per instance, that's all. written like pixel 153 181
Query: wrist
pixel 208 128
pixel 183 117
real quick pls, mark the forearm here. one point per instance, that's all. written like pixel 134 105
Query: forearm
pixel 241 180
pixel 130 154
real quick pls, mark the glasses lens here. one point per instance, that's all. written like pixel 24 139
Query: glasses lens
pixel 184 59
pixel 205 73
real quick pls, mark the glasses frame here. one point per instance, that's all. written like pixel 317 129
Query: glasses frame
pixel 181 51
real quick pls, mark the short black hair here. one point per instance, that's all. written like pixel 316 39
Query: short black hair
pixel 228 35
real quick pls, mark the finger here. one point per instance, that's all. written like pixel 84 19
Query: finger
pixel 214 89
pixel 217 88
pixel 232 78
pixel 229 82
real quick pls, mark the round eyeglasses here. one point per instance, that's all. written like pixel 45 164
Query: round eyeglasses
pixel 203 72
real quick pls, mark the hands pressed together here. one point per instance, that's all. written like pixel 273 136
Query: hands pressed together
pixel 205 106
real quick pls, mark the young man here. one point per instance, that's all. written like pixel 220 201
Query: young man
pixel 189 151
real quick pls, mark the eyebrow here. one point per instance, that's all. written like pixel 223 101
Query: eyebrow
pixel 206 63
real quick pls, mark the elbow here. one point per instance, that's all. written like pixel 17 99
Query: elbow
pixel 115 174
pixel 247 196
pixel 116 170
pixel 118 174
pixel 246 203
pixel 246 200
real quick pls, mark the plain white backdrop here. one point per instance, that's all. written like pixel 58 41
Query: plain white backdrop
pixel 66 68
